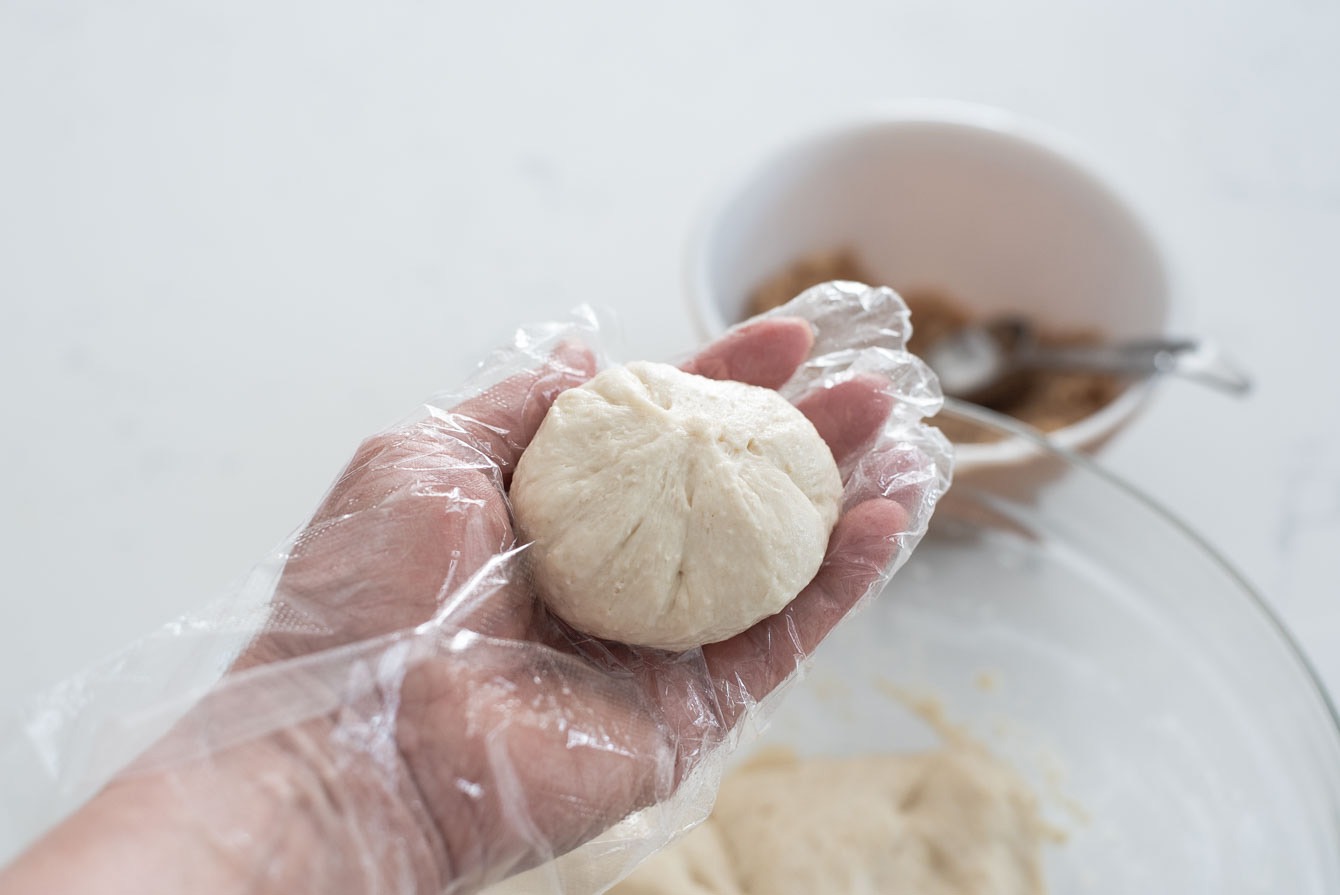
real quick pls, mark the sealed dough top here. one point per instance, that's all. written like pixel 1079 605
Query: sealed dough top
pixel 671 510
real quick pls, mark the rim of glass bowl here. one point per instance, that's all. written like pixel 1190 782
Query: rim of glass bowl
pixel 1013 428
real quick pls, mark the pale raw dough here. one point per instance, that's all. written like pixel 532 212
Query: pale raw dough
pixel 671 510
pixel 952 821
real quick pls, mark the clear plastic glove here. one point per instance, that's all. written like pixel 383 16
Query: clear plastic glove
pixel 408 718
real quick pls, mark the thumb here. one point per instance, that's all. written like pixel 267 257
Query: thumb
pixel 502 420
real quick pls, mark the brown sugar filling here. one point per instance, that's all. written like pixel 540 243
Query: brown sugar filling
pixel 1046 399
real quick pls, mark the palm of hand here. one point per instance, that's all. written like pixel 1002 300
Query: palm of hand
pixel 519 738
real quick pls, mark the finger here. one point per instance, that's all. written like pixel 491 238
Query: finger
pixel 484 433
pixel 849 414
pixel 502 421
pixel 898 471
pixel 764 353
pixel 752 664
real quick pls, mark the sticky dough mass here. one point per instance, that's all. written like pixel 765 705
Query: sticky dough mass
pixel 951 821
pixel 671 510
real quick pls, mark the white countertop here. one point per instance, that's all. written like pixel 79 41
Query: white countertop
pixel 236 238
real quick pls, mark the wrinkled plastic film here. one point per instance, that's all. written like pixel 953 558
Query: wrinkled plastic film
pixel 420 670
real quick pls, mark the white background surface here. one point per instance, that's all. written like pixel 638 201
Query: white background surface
pixel 235 238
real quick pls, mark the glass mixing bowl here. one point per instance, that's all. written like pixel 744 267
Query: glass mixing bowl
pixel 1166 720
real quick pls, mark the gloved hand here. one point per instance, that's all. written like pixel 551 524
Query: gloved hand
pixel 410 719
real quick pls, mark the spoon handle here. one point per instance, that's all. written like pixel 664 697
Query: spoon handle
pixel 1199 361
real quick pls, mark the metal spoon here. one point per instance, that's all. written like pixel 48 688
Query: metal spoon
pixel 984 363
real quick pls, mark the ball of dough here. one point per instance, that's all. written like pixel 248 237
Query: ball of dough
pixel 671 510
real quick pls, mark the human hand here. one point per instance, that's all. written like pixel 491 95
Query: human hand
pixel 423 508
pixel 493 737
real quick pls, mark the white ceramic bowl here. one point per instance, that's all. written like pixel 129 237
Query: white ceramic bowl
pixel 999 212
